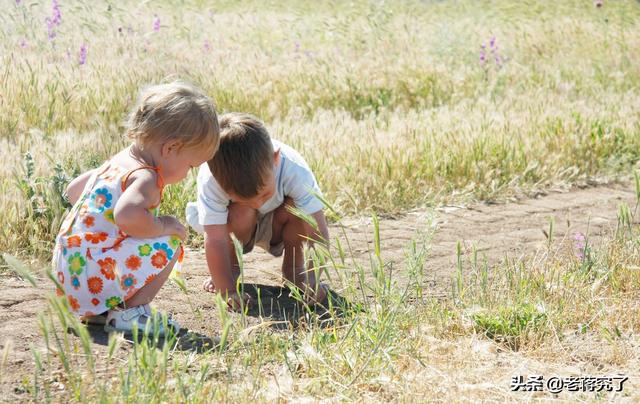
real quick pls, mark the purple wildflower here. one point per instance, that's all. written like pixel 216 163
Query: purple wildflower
pixel 54 21
pixel 483 54
pixel 51 32
pixel 23 43
pixel 82 59
pixel 56 17
pixel 599 3
pixel 493 48
pixel 156 23
pixel 207 45
pixel 580 244
pixel 297 47
pixel 18 2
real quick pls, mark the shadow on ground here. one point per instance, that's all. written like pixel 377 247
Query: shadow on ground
pixel 275 304
pixel 186 340
pixel 279 304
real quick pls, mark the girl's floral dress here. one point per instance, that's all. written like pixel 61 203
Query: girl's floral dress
pixel 97 265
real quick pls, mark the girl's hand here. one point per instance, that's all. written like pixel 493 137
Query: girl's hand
pixel 172 227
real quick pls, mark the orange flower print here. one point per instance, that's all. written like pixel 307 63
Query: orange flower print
pixel 95 301
pixel 159 259
pixel 73 302
pixel 59 292
pixel 83 209
pixel 128 282
pixel 95 285
pixel 121 237
pixel 181 256
pixel 96 238
pixel 108 268
pixel 149 279
pixel 61 277
pixel 89 221
pixel 74 241
pixel 133 262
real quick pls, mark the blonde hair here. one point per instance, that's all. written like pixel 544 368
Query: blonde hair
pixel 245 155
pixel 174 111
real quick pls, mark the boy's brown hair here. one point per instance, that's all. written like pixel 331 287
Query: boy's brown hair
pixel 245 155
pixel 176 110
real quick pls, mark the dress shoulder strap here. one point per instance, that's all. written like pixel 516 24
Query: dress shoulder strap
pixel 159 180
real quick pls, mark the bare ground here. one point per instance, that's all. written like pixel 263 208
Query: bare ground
pixel 513 230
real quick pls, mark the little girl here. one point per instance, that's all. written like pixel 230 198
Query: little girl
pixel 113 253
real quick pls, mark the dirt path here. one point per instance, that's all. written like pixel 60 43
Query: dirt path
pixel 512 230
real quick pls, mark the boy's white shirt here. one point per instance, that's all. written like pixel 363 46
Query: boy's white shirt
pixel 293 178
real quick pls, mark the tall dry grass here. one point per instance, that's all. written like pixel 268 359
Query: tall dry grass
pixel 390 102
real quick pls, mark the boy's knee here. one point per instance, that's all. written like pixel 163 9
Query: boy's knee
pixel 283 213
pixel 297 231
pixel 241 221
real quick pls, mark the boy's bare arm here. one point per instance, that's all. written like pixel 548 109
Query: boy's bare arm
pixel 323 228
pixel 217 251
pixel 75 187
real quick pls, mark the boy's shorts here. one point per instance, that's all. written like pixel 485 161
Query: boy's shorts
pixel 261 234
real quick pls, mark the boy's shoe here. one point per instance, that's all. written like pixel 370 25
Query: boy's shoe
pixel 125 320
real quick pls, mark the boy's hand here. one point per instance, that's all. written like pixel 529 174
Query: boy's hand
pixel 209 286
pixel 233 299
pixel 172 227
pixel 236 303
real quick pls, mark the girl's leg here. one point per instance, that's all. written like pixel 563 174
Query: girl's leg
pixel 146 293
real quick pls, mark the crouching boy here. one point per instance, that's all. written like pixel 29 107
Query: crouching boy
pixel 247 189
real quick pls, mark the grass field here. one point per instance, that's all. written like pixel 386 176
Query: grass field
pixel 396 106
pixel 390 102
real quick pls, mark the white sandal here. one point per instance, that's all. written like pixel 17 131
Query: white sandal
pixel 124 321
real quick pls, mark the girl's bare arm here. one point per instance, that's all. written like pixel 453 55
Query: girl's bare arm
pixel 132 215
pixel 75 187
